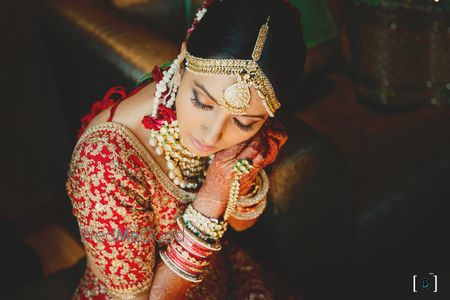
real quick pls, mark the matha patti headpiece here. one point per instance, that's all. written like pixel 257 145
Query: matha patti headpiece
pixel 236 97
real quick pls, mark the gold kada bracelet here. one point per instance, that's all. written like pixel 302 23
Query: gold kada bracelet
pixel 210 226
pixel 261 187
pixel 241 166
pixel 250 213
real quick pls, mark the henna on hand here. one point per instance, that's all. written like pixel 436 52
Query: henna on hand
pixel 262 149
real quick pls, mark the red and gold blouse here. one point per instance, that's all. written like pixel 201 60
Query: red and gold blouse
pixel 126 208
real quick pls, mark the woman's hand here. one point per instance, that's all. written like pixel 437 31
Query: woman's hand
pixel 261 150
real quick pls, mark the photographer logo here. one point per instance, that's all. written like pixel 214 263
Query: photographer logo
pixel 425 283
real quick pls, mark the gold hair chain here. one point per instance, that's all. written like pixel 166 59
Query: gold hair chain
pixel 236 97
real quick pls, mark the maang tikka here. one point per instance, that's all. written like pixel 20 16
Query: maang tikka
pixel 186 169
pixel 236 97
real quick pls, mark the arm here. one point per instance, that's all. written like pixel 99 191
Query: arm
pixel 104 198
pixel 97 273
pixel 110 215
pixel 264 150
pixel 167 284
pixel 211 201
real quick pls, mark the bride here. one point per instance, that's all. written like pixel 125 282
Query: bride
pixel 156 181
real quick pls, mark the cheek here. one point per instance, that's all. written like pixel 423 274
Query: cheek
pixel 235 136
pixel 244 136
pixel 188 117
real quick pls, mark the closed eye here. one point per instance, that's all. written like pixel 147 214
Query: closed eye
pixel 242 126
pixel 202 106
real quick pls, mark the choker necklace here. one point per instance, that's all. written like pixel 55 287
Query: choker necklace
pixel 186 170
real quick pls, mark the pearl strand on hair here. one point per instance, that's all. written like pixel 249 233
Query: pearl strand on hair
pixel 166 83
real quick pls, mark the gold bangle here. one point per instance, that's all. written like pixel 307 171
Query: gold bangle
pixel 188 268
pixel 241 166
pixel 212 247
pixel 212 227
pixel 186 254
pixel 263 180
pixel 171 265
pixel 253 213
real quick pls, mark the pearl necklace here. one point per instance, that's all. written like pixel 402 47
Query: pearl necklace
pixel 186 170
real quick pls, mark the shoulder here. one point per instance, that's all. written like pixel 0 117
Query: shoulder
pixel 100 142
pixel 104 164
pixel 131 110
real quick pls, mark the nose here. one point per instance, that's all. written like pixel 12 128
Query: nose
pixel 213 131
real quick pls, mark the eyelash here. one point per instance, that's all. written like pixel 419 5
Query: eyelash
pixel 242 126
pixel 202 106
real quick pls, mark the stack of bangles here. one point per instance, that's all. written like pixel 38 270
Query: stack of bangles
pixel 198 236
pixel 253 204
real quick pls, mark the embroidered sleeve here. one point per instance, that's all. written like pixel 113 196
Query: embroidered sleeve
pixel 115 226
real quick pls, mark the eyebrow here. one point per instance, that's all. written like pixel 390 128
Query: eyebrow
pixel 202 87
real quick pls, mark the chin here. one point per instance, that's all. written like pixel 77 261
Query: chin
pixel 197 152
pixel 188 144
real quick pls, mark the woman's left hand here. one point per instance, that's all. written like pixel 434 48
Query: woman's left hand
pixel 264 148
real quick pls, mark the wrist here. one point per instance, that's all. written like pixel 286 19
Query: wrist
pixel 248 183
pixel 211 208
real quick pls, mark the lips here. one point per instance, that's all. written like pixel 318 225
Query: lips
pixel 201 147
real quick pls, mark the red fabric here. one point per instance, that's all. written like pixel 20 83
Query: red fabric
pixel 100 105
pixel 108 203
pixel 157 74
pixel 114 187
pixel 107 101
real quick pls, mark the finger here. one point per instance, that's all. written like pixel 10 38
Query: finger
pixel 256 147
pixel 249 152
pixel 278 134
pixel 274 147
pixel 277 140
pixel 230 153
pixel 258 161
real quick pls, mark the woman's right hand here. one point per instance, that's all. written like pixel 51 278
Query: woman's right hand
pixel 261 150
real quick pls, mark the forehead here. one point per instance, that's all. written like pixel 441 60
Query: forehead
pixel 216 85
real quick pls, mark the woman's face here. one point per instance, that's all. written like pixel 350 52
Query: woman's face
pixel 205 127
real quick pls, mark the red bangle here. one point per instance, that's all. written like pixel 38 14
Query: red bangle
pixel 197 246
pixel 191 245
pixel 196 263
pixel 179 264
pixel 197 240
pixel 193 255
pixel 190 248
pixel 192 268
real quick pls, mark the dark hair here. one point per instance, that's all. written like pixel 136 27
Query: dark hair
pixel 229 29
